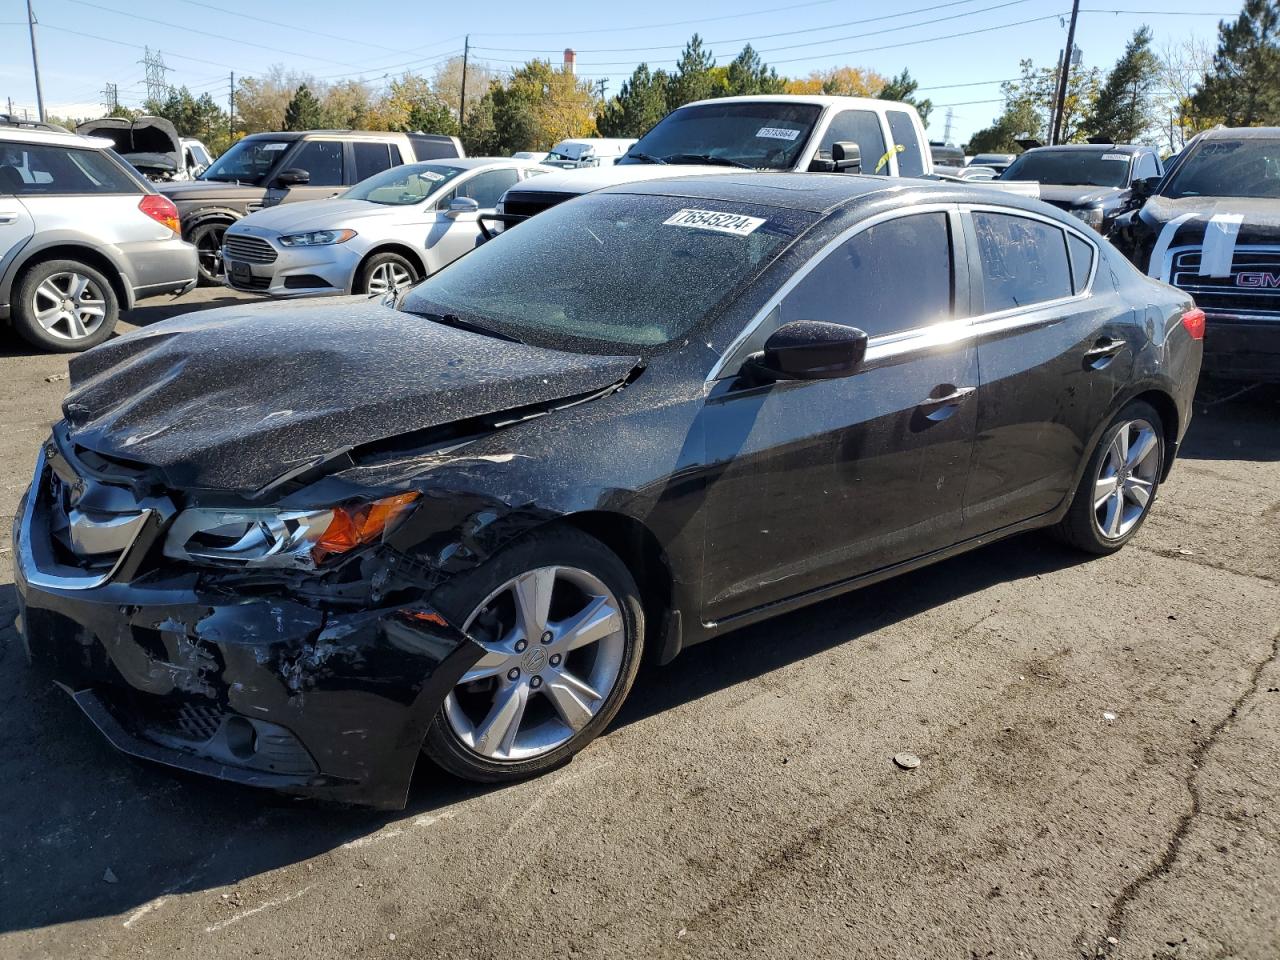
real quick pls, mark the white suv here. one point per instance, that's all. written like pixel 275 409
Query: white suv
pixel 82 237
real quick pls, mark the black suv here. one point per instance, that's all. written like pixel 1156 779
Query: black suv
pixel 265 169
pixel 1091 181
pixel 1212 227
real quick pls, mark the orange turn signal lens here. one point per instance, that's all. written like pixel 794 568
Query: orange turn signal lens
pixel 361 523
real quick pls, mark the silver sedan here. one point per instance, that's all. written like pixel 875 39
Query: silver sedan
pixel 385 233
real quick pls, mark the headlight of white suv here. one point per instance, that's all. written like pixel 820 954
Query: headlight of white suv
pixel 1090 215
pixel 317 238
pixel 291 539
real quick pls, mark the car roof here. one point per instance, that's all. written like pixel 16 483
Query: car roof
pixel 469 163
pixel 821 100
pixel 299 134
pixel 51 138
pixel 820 192
pixel 1242 133
pixel 1086 147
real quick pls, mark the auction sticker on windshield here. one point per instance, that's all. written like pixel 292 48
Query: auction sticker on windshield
pixel 734 223
pixel 777 133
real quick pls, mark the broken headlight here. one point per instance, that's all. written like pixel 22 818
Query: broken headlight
pixel 291 539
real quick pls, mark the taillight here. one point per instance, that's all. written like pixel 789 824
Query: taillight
pixel 1193 320
pixel 161 210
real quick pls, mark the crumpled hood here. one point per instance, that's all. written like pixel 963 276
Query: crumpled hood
pixel 1259 218
pixel 1068 196
pixel 232 399
pixel 311 215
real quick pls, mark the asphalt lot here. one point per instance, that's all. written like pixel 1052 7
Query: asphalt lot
pixel 1100 746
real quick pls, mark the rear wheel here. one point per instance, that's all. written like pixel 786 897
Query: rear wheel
pixel 1119 485
pixel 64 306
pixel 560 620
pixel 384 273
pixel 207 239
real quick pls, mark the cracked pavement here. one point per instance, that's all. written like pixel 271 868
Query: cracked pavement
pixel 1100 747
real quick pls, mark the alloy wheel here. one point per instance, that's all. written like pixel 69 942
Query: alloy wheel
pixel 208 243
pixel 555 642
pixel 389 276
pixel 69 305
pixel 1126 479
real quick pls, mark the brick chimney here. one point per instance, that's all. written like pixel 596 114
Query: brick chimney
pixel 569 58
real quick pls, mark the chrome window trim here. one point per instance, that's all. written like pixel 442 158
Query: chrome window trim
pixel 891 345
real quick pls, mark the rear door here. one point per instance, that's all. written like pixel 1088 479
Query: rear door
pixel 815 482
pixel 16 226
pixel 1055 346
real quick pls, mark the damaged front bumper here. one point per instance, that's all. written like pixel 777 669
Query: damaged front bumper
pixel 255 687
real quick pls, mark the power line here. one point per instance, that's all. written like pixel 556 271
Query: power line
pixel 125 43
pixel 658 26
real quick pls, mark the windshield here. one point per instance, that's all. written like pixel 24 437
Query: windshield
pixel 249 161
pixel 1092 168
pixel 405 185
pixel 610 272
pixel 1228 168
pixel 765 135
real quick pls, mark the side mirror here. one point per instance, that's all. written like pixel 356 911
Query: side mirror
pixel 810 350
pixel 293 177
pixel 846 157
pixel 1145 187
pixel 460 206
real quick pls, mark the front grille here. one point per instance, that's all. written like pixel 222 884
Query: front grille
pixel 238 246
pixel 1252 286
pixel 529 203
pixel 254 283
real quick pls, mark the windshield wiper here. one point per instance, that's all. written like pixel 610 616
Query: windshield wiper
pixel 706 158
pixel 644 158
pixel 455 321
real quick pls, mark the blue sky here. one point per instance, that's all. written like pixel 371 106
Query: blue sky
pixel 86 43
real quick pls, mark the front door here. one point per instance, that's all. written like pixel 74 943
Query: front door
pixel 452 236
pixel 325 162
pixel 1053 353
pixel 811 483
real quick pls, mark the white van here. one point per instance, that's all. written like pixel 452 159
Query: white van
pixel 588 152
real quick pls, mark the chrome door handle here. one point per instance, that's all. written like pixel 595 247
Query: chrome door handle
pixel 1102 353
pixel 8 217
pixel 939 408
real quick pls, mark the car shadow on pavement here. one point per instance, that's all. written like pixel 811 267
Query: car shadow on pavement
pixel 1234 422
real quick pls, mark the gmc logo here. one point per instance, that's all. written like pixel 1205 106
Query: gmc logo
pixel 1257 279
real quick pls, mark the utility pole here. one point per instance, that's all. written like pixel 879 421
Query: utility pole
pixel 231 108
pixel 35 60
pixel 462 99
pixel 604 89
pixel 111 97
pixel 946 134
pixel 157 86
pixel 1067 56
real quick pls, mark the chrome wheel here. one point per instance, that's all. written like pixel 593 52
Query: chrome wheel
pixel 555 642
pixel 1126 479
pixel 69 305
pixel 389 276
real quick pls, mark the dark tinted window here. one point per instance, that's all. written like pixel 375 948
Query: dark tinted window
pixel 486 188
pixel 903 130
pixel 429 148
pixel 323 160
pixel 1081 261
pixel 890 277
pixel 27 169
pixel 1024 261
pixel 769 134
pixel 1146 166
pixel 611 272
pixel 247 161
pixel 1228 168
pixel 1094 168
pixel 861 127
pixel 371 158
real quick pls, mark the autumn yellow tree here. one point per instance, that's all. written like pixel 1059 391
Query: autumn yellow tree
pixel 840 81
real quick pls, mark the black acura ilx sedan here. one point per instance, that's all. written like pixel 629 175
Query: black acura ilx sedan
pixel 299 545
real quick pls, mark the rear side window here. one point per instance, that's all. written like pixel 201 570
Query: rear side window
pixel 894 276
pixel 857 126
pixel 1081 261
pixel 323 160
pixel 1024 261
pixel 425 148
pixel 371 158
pixel 486 188
pixel 36 170
pixel 903 130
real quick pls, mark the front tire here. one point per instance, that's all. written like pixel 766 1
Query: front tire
pixel 561 621
pixel 64 306
pixel 1119 484
pixel 207 239
pixel 386 272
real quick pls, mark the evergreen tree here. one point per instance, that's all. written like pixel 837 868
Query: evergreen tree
pixel 903 88
pixel 641 103
pixel 1124 111
pixel 747 74
pixel 694 78
pixel 1243 88
pixel 303 111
